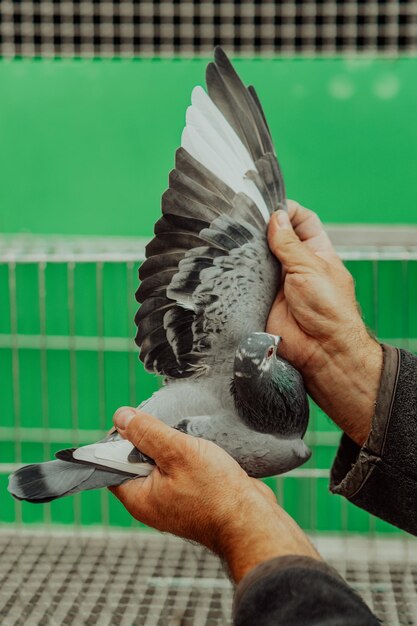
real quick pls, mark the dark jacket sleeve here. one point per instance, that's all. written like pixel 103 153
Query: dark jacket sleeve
pixel 298 591
pixel 381 477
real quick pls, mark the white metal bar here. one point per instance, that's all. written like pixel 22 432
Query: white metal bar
pixel 72 257
pixel 65 342
pixel 76 502
pixel 367 253
pixel 6 468
pixel 101 344
pixel 375 319
pixel 55 435
pixel 353 242
pixel 44 375
pixel 16 376
pixel 71 347
pixel 345 253
pixel 27 434
pixel 119 344
pixel 376 235
pixel 406 303
pixel 377 254
pixel 104 502
pixel 60 249
pixel 131 312
pixel 312 495
pixel 405 275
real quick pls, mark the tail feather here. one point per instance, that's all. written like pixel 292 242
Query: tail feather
pixel 44 482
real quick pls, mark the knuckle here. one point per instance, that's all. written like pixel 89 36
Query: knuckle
pixel 288 239
pixel 293 206
pixel 176 446
pixel 171 457
pixel 313 217
pixel 297 280
pixel 178 440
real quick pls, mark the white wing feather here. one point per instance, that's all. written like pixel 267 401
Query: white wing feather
pixel 112 454
pixel 201 102
pixel 210 139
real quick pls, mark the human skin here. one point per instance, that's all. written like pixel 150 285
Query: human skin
pixel 197 491
pixel 317 315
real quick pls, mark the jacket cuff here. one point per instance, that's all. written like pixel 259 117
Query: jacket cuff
pixel 354 465
pixel 274 566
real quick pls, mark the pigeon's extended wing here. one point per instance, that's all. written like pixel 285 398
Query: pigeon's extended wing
pixel 209 277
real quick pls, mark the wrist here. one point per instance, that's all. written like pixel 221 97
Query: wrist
pixel 250 539
pixel 343 379
pixel 348 345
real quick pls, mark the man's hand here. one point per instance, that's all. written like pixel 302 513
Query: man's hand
pixel 197 491
pixel 317 298
pixel 316 313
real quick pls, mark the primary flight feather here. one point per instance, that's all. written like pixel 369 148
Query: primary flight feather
pixel 206 289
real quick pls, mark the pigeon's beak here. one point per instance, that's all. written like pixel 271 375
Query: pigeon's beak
pixel 275 338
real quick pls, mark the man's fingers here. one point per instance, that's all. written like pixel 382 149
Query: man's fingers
pixel 131 496
pixel 309 228
pixel 286 245
pixel 306 223
pixel 151 436
pixel 124 492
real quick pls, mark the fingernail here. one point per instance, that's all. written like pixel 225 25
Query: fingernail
pixel 123 416
pixel 283 219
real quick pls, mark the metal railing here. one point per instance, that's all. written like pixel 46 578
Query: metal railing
pixel 25 263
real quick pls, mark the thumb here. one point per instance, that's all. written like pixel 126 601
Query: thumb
pixel 286 246
pixel 151 436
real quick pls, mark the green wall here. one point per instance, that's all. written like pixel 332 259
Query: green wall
pixel 86 145
pixel 86 148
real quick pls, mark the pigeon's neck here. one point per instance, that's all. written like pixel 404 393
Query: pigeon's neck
pixel 274 405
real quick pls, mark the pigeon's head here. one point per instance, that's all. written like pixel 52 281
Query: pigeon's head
pixel 268 391
pixel 256 355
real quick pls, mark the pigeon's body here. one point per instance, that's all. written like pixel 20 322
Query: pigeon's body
pixel 206 290
pixel 211 410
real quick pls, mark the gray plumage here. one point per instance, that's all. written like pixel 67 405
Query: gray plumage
pixel 206 289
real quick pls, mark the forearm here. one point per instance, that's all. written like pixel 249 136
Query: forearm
pixel 253 538
pixel 344 382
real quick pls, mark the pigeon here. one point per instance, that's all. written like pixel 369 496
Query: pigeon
pixel 206 288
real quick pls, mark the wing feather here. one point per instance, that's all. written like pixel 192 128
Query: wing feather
pixel 209 277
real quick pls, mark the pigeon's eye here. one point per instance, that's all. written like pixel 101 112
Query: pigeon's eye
pixel 270 352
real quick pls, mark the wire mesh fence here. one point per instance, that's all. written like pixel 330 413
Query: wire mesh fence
pixel 126 28
pixel 68 360
pixel 144 579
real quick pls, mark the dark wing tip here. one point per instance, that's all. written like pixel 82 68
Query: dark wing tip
pixel 211 75
pixel 65 455
pixel 220 55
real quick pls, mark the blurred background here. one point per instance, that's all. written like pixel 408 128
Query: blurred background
pixel 93 100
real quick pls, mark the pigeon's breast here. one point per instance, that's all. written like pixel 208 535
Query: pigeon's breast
pixel 190 397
